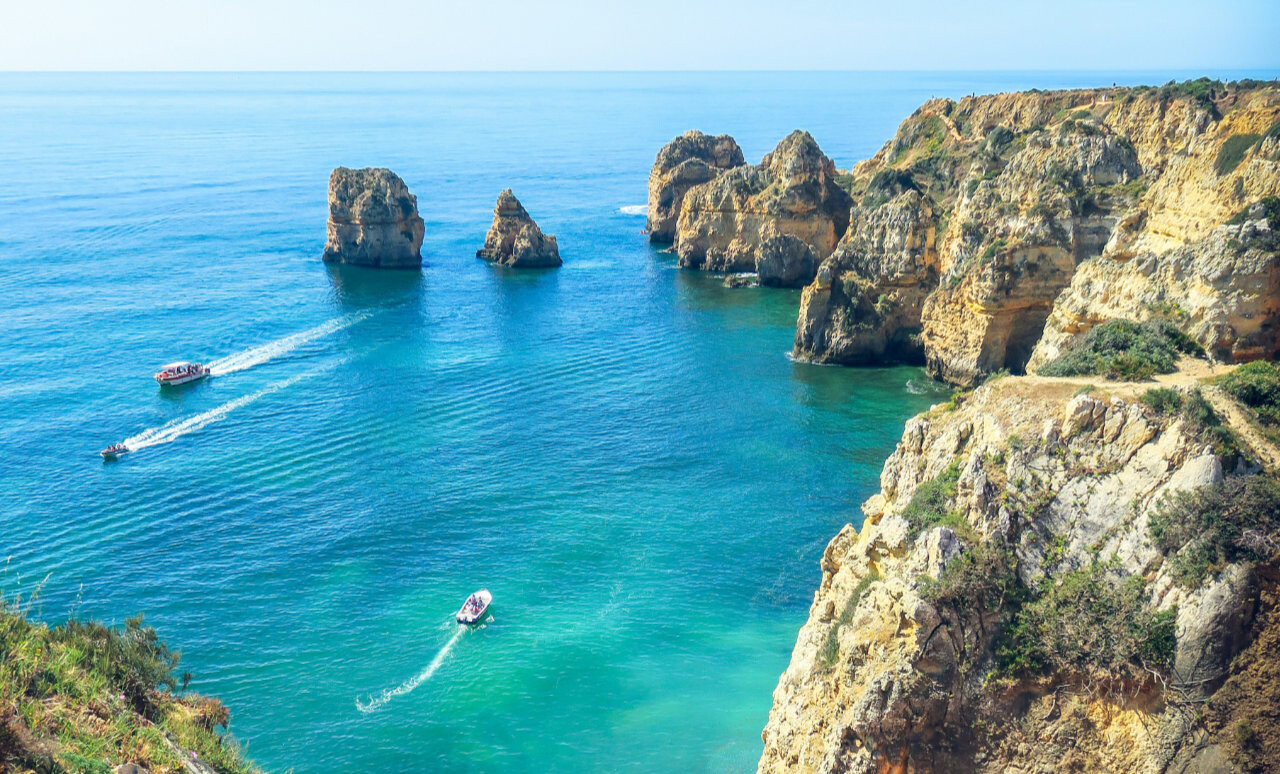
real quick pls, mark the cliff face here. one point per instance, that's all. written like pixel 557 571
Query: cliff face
pixel 723 223
pixel 515 240
pixel 691 159
pixel 373 220
pixel 990 223
pixel 1005 606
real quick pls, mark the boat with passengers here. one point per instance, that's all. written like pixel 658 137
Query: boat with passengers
pixel 181 372
pixel 475 607
pixel 113 451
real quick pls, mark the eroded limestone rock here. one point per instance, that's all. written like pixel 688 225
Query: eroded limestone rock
pixel 515 240
pixel 691 159
pixel 373 220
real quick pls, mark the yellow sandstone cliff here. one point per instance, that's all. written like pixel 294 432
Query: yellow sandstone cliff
pixel 991 232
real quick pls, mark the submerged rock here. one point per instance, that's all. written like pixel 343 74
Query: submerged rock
pixel 792 192
pixel 373 220
pixel 515 240
pixel 691 159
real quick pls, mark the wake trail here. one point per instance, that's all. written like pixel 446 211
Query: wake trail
pixel 634 209
pixel 177 428
pixel 378 701
pixel 273 349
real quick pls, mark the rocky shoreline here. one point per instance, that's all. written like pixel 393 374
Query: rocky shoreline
pixel 1033 588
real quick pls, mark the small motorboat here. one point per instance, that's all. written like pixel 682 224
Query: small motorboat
pixel 475 607
pixel 113 451
pixel 181 372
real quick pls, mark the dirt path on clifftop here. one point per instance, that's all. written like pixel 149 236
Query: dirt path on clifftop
pixel 1235 417
pixel 1191 372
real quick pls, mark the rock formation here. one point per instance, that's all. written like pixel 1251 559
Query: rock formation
pixel 373 220
pixel 917 655
pixel 515 240
pixel 988 223
pixel 723 223
pixel 784 261
pixel 688 160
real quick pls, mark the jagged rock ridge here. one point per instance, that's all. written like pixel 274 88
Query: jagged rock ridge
pixel 724 223
pixel 515 240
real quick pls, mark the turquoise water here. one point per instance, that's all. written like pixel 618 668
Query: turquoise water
pixel 619 450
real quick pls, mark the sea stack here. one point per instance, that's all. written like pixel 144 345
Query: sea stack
pixel 793 192
pixel 691 159
pixel 373 220
pixel 515 240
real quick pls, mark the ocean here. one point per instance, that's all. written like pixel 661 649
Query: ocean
pixel 619 450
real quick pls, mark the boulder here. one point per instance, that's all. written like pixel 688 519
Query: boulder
pixel 691 159
pixel 785 261
pixel 515 240
pixel 373 220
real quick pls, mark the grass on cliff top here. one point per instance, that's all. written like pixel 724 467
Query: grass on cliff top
pixel 1204 530
pixel 83 697
pixel 1124 350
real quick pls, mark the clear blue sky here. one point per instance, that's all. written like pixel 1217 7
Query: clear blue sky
pixel 639 35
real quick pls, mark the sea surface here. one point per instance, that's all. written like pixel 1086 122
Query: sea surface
pixel 619 450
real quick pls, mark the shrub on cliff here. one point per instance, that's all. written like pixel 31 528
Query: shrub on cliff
pixel 1092 624
pixel 930 506
pixel 1233 151
pixel 1125 350
pixel 1206 529
pixel 85 697
pixel 1257 385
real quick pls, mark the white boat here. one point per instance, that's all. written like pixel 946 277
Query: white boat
pixel 113 451
pixel 474 608
pixel 181 372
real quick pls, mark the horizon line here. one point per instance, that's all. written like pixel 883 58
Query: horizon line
pixel 228 71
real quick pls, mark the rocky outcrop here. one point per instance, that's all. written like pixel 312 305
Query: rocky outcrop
pixel 373 220
pixel 784 261
pixel 691 159
pixel 990 223
pixel 1222 289
pixel 515 240
pixel 911 661
pixel 724 223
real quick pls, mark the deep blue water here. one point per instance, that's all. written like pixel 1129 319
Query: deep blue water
pixel 619 450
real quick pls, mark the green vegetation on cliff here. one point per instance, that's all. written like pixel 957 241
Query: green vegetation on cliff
pixel 83 698
pixel 1206 529
pixel 1257 385
pixel 1122 349
pixel 1091 623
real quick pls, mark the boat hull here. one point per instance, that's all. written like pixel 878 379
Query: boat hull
pixel 174 381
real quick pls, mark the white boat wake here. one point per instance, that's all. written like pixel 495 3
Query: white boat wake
pixel 273 349
pixel 174 430
pixel 634 209
pixel 381 699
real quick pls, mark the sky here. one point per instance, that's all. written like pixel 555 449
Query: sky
pixel 1212 35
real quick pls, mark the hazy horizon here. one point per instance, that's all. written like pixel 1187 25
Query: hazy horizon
pixel 660 36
